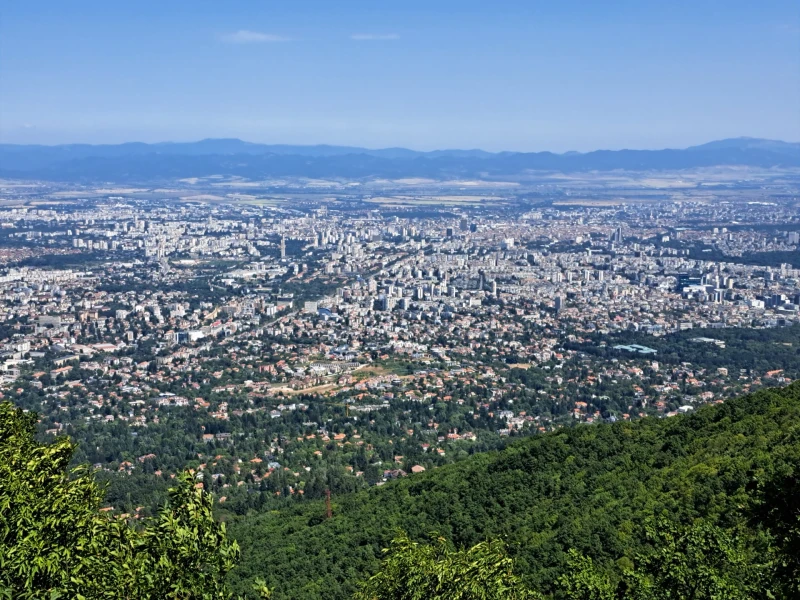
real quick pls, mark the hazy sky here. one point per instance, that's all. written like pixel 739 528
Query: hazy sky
pixel 515 75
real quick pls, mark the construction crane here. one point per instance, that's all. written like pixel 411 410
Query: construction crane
pixel 345 404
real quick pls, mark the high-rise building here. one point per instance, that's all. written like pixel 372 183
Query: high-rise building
pixel 386 303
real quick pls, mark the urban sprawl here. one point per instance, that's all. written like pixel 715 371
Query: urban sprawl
pixel 283 350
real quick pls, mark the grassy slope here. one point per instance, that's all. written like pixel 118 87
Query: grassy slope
pixel 590 487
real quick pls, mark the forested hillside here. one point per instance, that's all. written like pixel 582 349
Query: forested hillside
pixel 696 507
pixel 590 488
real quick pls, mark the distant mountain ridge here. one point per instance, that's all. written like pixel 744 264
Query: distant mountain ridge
pixel 137 161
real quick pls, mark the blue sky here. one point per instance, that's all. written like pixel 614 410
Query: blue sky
pixel 499 75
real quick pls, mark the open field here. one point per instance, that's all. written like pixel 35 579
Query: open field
pixel 434 200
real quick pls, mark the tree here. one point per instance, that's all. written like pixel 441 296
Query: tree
pixel 701 562
pixel 55 542
pixel 185 554
pixel 697 563
pixel 584 581
pixel 778 511
pixel 437 571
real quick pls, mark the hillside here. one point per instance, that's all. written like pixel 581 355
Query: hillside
pixel 589 488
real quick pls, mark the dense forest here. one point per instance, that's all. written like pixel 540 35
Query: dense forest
pixel 695 507
pixel 591 491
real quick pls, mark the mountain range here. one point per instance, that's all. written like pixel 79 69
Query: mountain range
pixel 140 162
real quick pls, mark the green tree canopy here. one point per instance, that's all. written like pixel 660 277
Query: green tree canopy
pixel 413 571
pixel 55 542
pixel 701 562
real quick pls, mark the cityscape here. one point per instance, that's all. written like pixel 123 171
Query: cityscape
pixel 294 346
pixel 400 301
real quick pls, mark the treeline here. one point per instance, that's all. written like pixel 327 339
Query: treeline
pixel 591 490
pixel 754 350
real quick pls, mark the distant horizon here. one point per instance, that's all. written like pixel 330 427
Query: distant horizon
pixel 518 75
pixel 397 146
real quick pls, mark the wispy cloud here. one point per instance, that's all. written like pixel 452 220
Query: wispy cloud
pixel 244 36
pixel 374 37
